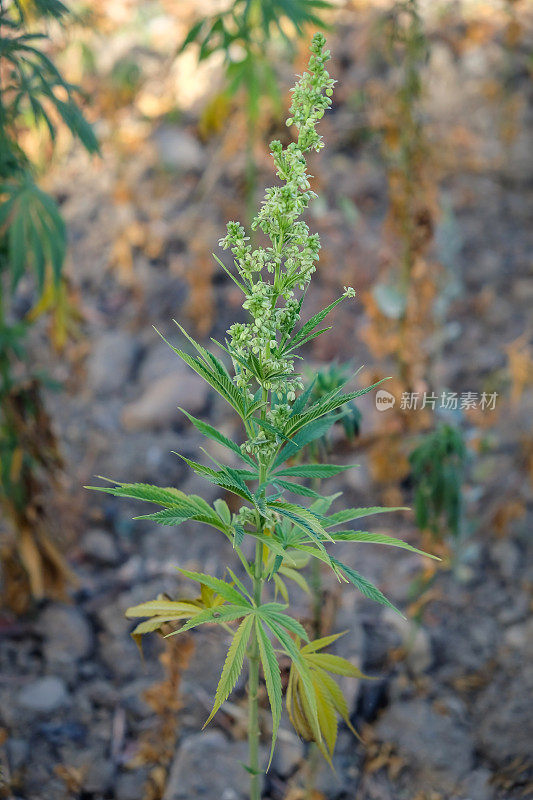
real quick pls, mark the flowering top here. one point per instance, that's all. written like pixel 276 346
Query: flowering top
pixel 270 275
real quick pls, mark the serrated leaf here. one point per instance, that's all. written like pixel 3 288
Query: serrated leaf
pixel 378 538
pixel 313 470
pixel 335 664
pixel 222 588
pixel 272 675
pixel 217 436
pixel 364 585
pixel 349 514
pixel 214 615
pixel 173 609
pixel 232 665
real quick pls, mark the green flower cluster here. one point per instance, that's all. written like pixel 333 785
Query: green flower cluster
pixel 257 347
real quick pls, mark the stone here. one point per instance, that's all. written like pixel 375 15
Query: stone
pixel 159 360
pixel 100 547
pixel 111 362
pixel 17 753
pixel 207 766
pixel 67 634
pixel 438 747
pixel 157 408
pixel 129 785
pixel 178 150
pixel 477 786
pixel 288 753
pixel 414 638
pixel 44 695
pixel 504 727
pixel 98 778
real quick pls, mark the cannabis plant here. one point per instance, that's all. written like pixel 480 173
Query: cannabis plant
pixel 32 246
pixel 271 534
pixel 438 471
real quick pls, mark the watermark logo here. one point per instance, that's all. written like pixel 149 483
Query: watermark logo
pixel 384 400
pixel 445 401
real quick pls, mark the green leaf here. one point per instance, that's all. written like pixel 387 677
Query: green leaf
pixel 313 470
pixel 303 671
pixel 272 612
pixel 232 665
pixel 162 496
pixel 222 588
pixel 171 609
pixel 304 518
pixel 220 478
pixel 272 675
pixel 219 437
pixel 216 615
pixel 365 586
pixel 296 488
pixel 312 323
pixel 349 514
pixel 335 664
pixel 378 538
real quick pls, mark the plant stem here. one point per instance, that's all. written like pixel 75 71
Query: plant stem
pixel 253 685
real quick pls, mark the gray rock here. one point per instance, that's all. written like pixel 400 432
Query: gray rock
pixel 120 656
pixel 477 786
pixel 100 547
pixel 98 778
pixel 129 785
pixel 157 407
pixel 289 753
pixel 178 150
pixel 44 695
pixel 159 360
pixel 414 638
pixel 207 765
pixel 111 362
pixel 504 726
pixel 436 746
pixel 17 753
pixel 68 634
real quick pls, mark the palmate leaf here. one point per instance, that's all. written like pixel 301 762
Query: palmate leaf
pixel 272 675
pixel 378 538
pixel 303 517
pixel 232 665
pixel 309 433
pixel 220 478
pixel 309 326
pixel 216 378
pixel 162 496
pixel 36 233
pixel 178 506
pixel 273 612
pixel 329 697
pixel 219 586
pixel 323 407
pixel 218 616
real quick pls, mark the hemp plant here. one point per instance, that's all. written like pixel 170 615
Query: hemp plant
pixel 33 244
pixel 279 419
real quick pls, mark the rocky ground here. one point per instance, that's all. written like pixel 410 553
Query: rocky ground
pixel 449 714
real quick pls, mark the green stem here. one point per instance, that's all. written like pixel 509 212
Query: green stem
pixel 253 685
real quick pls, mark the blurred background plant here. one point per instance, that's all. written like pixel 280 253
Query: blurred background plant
pixel 254 36
pixel 33 94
